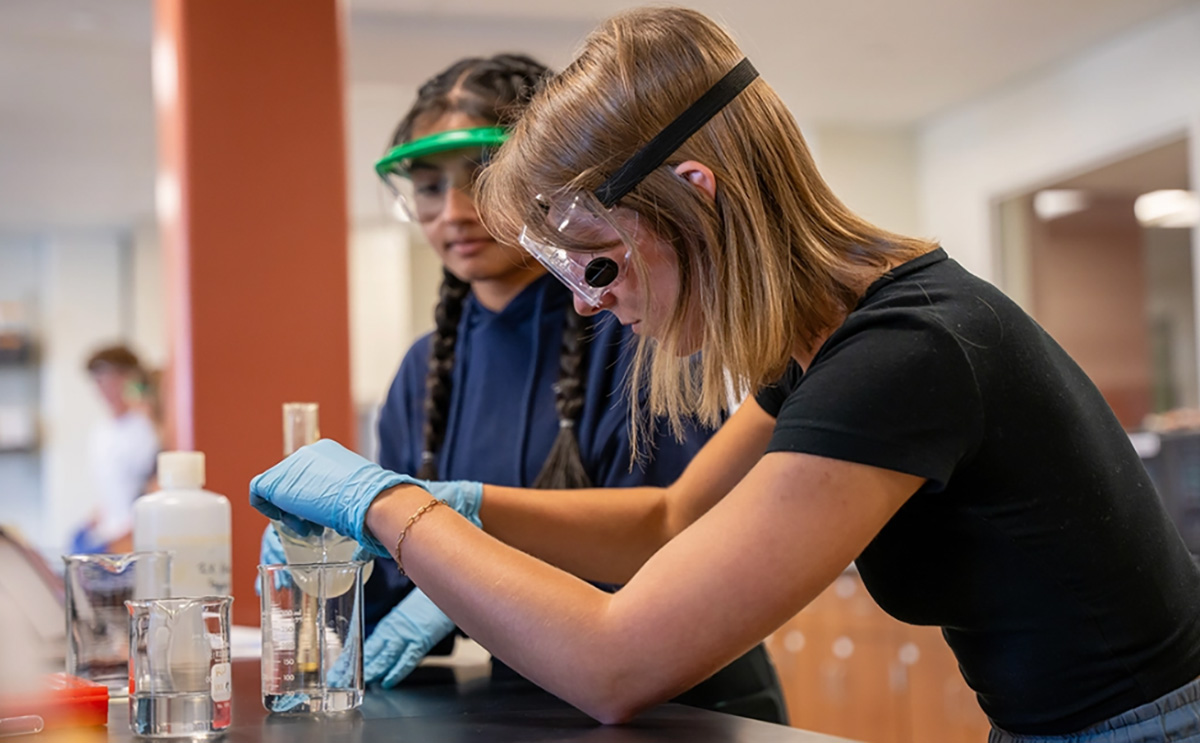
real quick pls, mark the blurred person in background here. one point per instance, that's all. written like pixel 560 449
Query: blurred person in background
pixel 513 385
pixel 122 450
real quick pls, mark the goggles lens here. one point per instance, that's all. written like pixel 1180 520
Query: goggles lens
pixel 600 272
pixel 421 190
pixel 419 174
pixel 581 244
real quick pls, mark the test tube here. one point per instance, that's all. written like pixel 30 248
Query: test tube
pixel 300 426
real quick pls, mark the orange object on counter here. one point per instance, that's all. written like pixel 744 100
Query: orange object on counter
pixel 62 701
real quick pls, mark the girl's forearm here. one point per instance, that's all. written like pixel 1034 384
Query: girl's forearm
pixel 554 628
pixel 599 534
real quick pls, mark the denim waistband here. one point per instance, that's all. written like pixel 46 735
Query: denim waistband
pixel 1172 718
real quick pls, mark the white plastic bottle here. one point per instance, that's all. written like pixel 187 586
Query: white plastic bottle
pixel 188 521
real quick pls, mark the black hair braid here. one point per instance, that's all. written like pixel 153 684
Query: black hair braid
pixel 493 89
pixel 564 465
pixel 439 380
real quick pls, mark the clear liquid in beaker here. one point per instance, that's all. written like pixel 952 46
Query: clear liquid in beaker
pixel 313 699
pixel 179 667
pixel 178 714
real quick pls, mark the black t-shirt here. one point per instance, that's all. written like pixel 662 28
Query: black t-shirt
pixel 1038 543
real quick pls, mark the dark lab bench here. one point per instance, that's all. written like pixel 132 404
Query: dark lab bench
pixel 434 706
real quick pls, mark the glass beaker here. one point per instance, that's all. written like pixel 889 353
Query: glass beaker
pixel 312 637
pixel 97 587
pixel 179 671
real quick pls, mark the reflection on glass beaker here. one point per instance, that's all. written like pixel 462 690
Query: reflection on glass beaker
pixel 312 635
pixel 179 670
pixel 97 587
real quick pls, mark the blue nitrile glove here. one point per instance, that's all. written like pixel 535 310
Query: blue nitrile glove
pixel 326 484
pixel 270 553
pixel 403 638
pixel 464 496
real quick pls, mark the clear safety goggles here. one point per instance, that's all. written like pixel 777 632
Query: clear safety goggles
pixel 581 243
pixel 420 174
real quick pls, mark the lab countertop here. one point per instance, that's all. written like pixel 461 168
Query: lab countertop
pixel 438 705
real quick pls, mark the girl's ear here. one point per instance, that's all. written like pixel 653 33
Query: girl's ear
pixel 699 175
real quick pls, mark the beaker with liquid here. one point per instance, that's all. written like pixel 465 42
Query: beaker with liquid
pixel 312 637
pixel 97 587
pixel 179 667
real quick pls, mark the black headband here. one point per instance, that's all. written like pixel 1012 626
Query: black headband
pixel 655 153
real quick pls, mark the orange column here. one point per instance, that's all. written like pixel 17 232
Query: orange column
pixel 252 210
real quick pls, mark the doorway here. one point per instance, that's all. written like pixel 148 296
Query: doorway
pixel 1117 293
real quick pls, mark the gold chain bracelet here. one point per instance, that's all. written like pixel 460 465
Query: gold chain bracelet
pixel 408 525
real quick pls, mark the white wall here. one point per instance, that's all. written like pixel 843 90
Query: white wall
pixel 147 331
pixel 1121 96
pixel 873 171
pixel 372 112
pixel 380 318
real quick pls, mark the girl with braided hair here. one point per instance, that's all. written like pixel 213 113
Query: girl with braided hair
pixel 513 385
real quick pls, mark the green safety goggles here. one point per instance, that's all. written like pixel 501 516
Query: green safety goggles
pixel 420 173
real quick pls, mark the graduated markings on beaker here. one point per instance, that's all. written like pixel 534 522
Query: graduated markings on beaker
pixel 289 674
pixel 283 637
pixel 222 682
pixel 221 674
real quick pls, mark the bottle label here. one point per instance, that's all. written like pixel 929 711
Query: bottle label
pixel 200 569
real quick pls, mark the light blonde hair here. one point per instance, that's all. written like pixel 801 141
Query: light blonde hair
pixel 774 262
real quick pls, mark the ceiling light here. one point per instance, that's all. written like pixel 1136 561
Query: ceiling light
pixel 1169 208
pixel 1053 203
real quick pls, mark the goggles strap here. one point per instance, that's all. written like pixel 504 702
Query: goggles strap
pixel 657 150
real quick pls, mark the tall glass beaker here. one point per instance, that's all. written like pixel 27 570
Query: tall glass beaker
pixel 97 587
pixel 179 666
pixel 312 636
